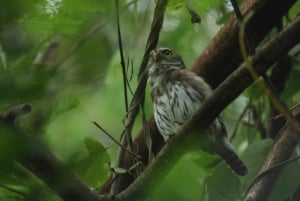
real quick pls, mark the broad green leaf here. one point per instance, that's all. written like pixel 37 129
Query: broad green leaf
pixel 223 185
pixel 294 11
pixel 93 169
pixel 254 157
pixel 287 182
pixel 183 182
pixel 206 161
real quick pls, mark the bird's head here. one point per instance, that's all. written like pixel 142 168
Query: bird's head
pixel 164 60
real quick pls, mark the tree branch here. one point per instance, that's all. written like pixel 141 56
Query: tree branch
pixel 55 174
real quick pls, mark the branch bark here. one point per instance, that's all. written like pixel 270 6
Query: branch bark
pixel 223 53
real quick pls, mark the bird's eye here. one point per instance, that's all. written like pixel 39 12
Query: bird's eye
pixel 167 52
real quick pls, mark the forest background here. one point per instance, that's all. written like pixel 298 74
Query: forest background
pixel 61 71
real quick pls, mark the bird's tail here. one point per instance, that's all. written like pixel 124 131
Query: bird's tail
pixel 226 152
pixel 235 163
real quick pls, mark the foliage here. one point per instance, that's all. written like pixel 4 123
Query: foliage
pixel 68 90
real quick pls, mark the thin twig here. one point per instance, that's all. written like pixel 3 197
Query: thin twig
pixel 258 122
pixel 121 51
pixel 236 9
pixel 129 65
pixel 238 121
pixel 128 140
pixel 115 141
pixel 293 109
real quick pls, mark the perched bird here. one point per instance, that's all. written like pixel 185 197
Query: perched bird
pixel 177 94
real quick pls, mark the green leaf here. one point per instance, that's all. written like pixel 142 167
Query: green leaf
pixel 287 182
pixel 294 11
pixel 223 185
pixel 254 156
pixel 64 106
pixel 93 169
pixel 206 161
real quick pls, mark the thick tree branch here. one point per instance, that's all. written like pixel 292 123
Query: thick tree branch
pixel 221 97
pixel 55 174
pixel 34 156
pixel 281 151
pixel 220 58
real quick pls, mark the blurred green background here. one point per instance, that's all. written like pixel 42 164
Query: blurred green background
pixel 50 60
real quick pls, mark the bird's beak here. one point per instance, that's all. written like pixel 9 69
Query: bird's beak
pixel 153 55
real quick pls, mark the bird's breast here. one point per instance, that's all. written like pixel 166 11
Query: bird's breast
pixel 155 93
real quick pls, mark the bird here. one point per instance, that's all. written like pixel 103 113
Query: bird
pixel 177 94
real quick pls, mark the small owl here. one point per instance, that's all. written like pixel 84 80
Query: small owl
pixel 177 94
